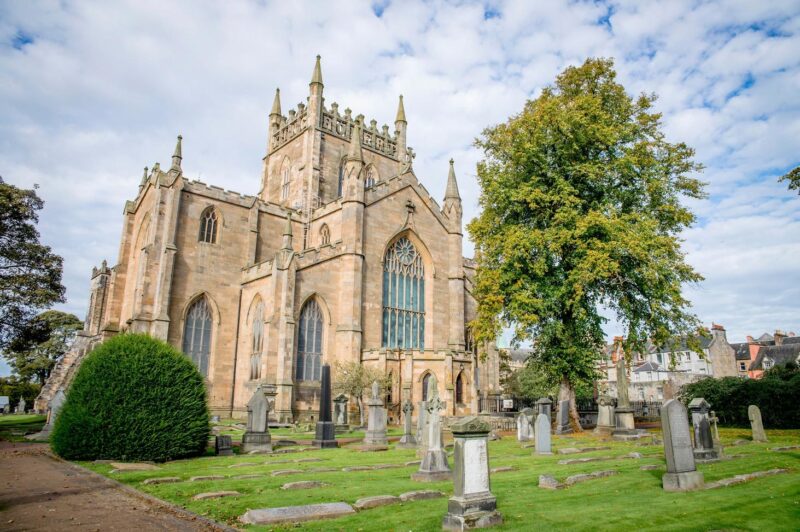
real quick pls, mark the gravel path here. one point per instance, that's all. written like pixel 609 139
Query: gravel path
pixel 41 492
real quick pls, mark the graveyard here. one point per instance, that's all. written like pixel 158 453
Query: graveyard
pixel 627 494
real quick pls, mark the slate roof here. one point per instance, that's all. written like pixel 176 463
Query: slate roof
pixel 742 351
pixel 519 355
pixel 765 338
pixel 779 354
pixel 790 340
pixel 678 344
pixel 647 366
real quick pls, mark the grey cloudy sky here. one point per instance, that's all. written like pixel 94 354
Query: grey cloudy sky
pixel 91 92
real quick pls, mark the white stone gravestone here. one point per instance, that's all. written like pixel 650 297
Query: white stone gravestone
pixel 376 420
pixel 543 437
pixel 434 466
pixel 682 474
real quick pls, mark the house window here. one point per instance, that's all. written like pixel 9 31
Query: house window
pixel 425 380
pixel 403 297
pixel 258 342
pixel 767 363
pixel 197 334
pixel 309 343
pixel 459 389
pixel 324 235
pixel 208 226
pixel 742 366
pixel 660 358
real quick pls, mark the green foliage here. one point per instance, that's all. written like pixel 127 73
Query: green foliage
pixel 30 274
pixel 777 395
pixel 16 388
pixel 793 178
pixel 582 205
pixel 133 398
pixel 355 379
pixel 35 349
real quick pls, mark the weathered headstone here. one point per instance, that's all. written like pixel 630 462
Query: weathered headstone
pixel 544 406
pixel 472 504
pixel 21 406
pixel 376 420
pixel 704 448
pixel 754 413
pixel 623 412
pixel 223 446
pixel 408 441
pixel 682 474
pixel 543 437
pixel 562 418
pixel 434 464
pixel 422 429
pixel 605 415
pixel 295 514
pixel 525 425
pixel 340 413
pixel 257 436
pixel 325 437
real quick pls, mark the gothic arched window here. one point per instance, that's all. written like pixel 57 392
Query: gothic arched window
pixel 208 226
pixel 341 179
pixel 309 343
pixel 285 181
pixel 257 345
pixel 372 177
pixel 403 297
pixel 425 380
pixel 459 389
pixel 324 235
pixel 197 334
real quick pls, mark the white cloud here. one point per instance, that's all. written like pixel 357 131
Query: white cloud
pixel 103 88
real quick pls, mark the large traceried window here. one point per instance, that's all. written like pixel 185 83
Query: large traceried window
pixel 403 297
pixel 309 343
pixel 208 226
pixel 258 342
pixel 197 334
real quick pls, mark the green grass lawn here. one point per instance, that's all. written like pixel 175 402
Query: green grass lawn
pixel 13 427
pixel 631 500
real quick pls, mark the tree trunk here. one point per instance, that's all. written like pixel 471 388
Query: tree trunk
pixel 567 392
pixel 360 403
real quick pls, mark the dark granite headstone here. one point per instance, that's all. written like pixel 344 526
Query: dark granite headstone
pixel 223 446
pixel 325 437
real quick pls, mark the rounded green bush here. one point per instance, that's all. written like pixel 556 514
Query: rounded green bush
pixel 133 398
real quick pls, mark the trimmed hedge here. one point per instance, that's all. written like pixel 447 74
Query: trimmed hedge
pixel 133 398
pixel 777 395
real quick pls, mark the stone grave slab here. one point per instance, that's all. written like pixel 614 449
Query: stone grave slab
pixel 297 514
pixel 375 501
pixel 215 495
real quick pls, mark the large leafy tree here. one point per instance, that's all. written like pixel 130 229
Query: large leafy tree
pixel 582 208
pixel 793 178
pixel 30 273
pixel 34 350
pixel 355 379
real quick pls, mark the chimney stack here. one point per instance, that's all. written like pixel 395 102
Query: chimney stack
pixel 779 336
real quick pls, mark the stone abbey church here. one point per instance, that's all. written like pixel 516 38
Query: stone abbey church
pixel 342 256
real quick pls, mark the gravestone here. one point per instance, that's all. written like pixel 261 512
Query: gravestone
pixel 21 406
pixel 525 425
pixel 376 421
pixel 223 446
pixel 754 413
pixel 408 441
pixel 623 413
pixel 682 474
pixel 605 415
pixel 544 406
pixel 257 436
pixel 562 418
pixel 422 429
pixel 434 464
pixel 340 403
pixel 325 436
pixel 543 437
pixel 472 504
pixel 704 448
